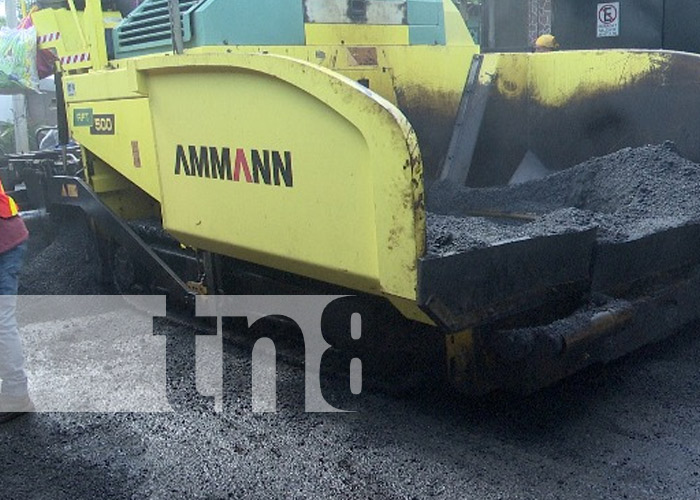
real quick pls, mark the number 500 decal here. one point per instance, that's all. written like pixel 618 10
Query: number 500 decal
pixel 103 125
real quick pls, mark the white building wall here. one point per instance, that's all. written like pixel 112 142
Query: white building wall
pixel 5 108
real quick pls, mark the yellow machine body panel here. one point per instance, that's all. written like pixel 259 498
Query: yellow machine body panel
pixel 429 99
pixel 366 166
pixel 294 150
pixel 351 212
pixel 120 133
pixel 570 106
pixel 556 78
pixel 77 37
pixel 315 159
pixel 362 35
pixel 250 167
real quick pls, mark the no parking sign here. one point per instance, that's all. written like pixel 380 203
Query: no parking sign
pixel 608 19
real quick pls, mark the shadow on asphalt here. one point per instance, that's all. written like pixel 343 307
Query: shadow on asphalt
pixel 554 407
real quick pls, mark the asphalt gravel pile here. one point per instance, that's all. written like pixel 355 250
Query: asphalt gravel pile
pixel 627 195
pixel 66 264
pixel 449 234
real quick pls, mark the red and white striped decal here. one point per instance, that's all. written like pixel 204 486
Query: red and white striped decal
pixel 76 58
pixel 50 37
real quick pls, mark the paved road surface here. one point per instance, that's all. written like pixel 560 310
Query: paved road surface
pixel 629 430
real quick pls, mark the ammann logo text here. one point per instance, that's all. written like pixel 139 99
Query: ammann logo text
pixel 273 168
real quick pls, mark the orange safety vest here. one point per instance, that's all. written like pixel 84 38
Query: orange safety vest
pixel 8 207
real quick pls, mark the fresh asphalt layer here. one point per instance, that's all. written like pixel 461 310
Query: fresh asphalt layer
pixel 626 430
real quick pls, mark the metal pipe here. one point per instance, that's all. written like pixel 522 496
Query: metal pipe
pixel 176 26
pixel 600 324
pixel 523 217
pixel 554 340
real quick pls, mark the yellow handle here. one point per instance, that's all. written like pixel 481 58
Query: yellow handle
pixel 74 11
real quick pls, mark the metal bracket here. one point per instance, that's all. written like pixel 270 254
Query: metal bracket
pixel 467 126
pixel 72 191
pixel 176 26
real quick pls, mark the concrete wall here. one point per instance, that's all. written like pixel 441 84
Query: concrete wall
pixel 41 109
pixel 641 24
pixel 681 25
pixel 505 25
pixel 5 108
pixel 513 25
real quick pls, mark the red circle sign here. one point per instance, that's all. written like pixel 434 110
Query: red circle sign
pixel 607 13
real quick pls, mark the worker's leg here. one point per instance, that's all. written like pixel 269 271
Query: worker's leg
pixel 14 379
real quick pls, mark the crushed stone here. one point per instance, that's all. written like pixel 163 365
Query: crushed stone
pixel 67 265
pixel 627 195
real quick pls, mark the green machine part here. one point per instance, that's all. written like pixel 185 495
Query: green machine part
pixel 270 22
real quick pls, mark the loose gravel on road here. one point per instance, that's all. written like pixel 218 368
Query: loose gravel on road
pixel 629 430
